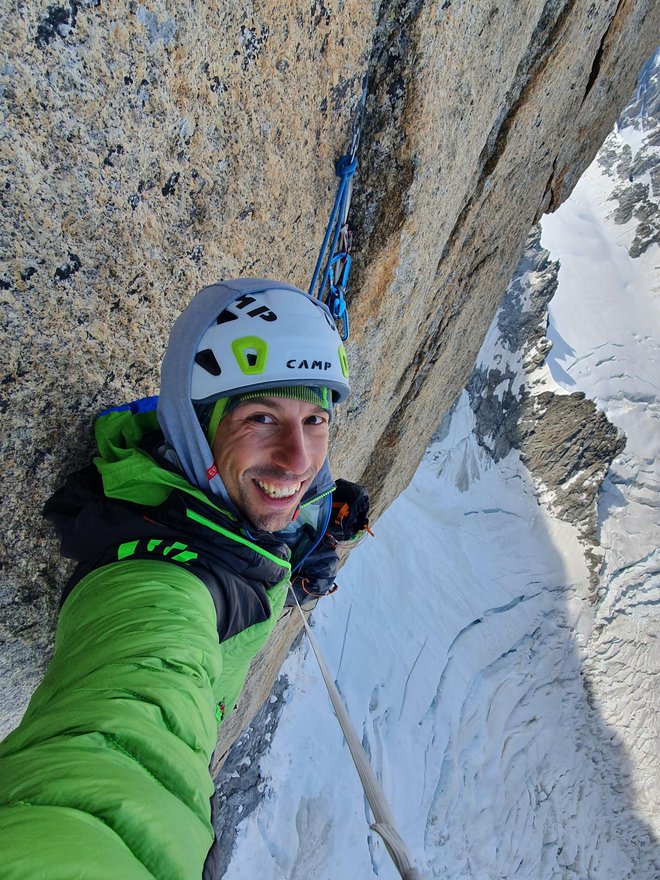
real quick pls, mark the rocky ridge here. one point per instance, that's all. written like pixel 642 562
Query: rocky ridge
pixel 242 784
pixel 638 192
pixel 566 443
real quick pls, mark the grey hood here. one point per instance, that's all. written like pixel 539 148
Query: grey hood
pixel 176 414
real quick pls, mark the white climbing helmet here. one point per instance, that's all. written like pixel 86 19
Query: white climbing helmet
pixel 267 338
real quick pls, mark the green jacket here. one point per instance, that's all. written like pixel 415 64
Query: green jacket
pixel 107 775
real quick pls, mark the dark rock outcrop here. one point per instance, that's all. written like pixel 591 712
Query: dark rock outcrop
pixel 241 784
pixel 568 446
pixel 638 196
pixel 496 392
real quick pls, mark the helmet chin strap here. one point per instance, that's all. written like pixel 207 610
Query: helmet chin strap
pixel 217 486
pixel 224 494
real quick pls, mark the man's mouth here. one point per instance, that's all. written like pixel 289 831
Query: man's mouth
pixel 278 491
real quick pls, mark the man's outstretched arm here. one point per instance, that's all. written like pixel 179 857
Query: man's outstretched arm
pixel 107 775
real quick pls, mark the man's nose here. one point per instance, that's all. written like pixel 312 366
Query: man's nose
pixel 290 452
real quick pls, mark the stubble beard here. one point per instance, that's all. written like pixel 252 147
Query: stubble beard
pixel 271 520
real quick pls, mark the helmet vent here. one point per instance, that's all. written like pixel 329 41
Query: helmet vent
pixel 251 357
pixel 225 317
pixel 208 361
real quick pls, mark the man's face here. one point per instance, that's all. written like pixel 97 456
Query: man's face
pixel 267 451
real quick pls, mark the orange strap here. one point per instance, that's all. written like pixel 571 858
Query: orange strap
pixel 343 511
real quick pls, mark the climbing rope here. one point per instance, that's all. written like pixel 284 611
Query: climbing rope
pixel 334 281
pixel 332 290
pixel 384 824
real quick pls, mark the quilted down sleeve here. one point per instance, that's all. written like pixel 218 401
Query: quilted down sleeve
pixel 107 775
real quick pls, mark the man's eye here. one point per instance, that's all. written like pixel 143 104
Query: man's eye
pixel 316 420
pixel 262 418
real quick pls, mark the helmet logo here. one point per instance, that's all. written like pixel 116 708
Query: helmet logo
pixel 241 304
pixel 251 354
pixel 295 364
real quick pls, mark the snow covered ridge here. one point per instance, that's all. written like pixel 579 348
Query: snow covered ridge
pixel 630 157
pixel 566 443
pixel 560 425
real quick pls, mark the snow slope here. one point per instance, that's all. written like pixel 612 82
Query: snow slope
pixel 605 326
pixel 432 638
pixel 510 721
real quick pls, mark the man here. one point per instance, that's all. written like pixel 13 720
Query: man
pixel 186 529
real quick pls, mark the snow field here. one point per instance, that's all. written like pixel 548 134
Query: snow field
pixel 622 374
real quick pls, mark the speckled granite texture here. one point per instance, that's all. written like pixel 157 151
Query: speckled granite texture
pixel 150 148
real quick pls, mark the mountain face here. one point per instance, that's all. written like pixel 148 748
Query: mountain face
pixel 620 373
pixel 594 462
pixel 149 149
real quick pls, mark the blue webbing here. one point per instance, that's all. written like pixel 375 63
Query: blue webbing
pixel 332 287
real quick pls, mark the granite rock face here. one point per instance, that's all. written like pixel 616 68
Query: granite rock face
pixel 148 149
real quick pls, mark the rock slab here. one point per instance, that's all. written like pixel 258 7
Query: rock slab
pixel 148 149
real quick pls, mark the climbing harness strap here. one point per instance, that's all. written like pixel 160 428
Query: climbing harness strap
pixel 384 824
pixel 334 281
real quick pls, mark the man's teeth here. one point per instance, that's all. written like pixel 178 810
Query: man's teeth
pixel 278 491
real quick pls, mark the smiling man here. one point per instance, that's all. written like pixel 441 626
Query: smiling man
pixel 198 513
pixel 267 451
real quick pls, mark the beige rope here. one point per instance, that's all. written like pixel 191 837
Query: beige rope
pixel 384 824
